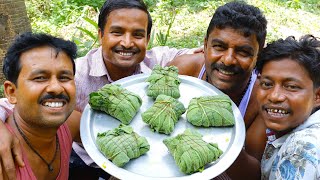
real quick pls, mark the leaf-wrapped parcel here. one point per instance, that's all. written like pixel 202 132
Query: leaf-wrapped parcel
pixel 190 152
pixel 122 144
pixel 208 111
pixel 116 101
pixel 164 114
pixel 163 80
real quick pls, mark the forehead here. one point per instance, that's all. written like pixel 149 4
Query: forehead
pixel 45 57
pixel 284 69
pixel 233 37
pixel 127 17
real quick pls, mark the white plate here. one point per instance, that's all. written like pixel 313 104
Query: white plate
pixel 158 163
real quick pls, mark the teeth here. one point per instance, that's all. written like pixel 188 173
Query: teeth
pixel 277 111
pixel 226 72
pixel 125 54
pixel 54 104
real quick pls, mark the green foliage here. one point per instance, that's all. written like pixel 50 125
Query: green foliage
pixel 2 92
pixel 176 23
pixel 96 4
pixel 86 44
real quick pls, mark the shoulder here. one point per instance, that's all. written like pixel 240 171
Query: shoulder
pixel 299 156
pixel 303 143
pixel 84 61
pixel 188 64
pixel 73 123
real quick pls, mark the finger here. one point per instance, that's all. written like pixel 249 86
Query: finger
pixel 1 174
pixel 17 152
pixel 8 166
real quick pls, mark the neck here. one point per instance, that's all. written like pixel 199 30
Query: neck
pixel 39 138
pixel 238 95
pixel 117 73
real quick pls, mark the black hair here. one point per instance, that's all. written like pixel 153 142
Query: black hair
pixel 26 41
pixel 111 5
pixel 242 17
pixel 305 51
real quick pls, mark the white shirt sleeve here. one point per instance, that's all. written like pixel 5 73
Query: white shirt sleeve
pixel 6 109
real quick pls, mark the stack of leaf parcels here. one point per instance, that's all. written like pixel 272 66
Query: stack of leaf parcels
pixel 116 101
pixel 208 111
pixel 122 144
pixel 190 152
pixel 164 114
pixel 164 80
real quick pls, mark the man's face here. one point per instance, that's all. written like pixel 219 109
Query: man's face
pixel 45 91
pixel 286 95
pixel 230 58
pixel 124 40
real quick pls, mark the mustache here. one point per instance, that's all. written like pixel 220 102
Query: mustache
pixel 121 48
pixel 50 96
pixel 233 68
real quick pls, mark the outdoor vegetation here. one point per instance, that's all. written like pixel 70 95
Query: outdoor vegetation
pixel 177 23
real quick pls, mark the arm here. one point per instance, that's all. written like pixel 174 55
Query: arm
pixel 245 167
pixel 256 138
pixel 163 54
pixel 255 128
pixel 10 150
pixel 73 123
pixel 189 64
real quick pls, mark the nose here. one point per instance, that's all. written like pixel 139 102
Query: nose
pixel 55 86
pixel 127 41
pixel 276 94
pixel 228 58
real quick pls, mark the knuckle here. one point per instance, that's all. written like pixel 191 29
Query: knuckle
pixel 10 169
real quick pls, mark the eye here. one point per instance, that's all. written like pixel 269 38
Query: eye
pixel 139 35
pixel 265 84
pixel 244 53
pixel 65 78
pixel 291 87
pixel 116 33
pixel 39 78
pixel 218 47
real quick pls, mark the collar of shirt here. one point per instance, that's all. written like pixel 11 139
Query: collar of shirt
pixel 98 68
pixel 313 119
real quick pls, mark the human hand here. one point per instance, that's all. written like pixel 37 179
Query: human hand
pixel 198 50
pixel 10 152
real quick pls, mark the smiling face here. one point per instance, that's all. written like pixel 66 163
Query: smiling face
pixel 230 58
pixel 286 95
pixel 45 91
pixel 124 39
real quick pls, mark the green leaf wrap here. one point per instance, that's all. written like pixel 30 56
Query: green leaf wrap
pixel 164 114
pixel 190 152
pixel 208 111
pixel 164 80
pixel 116 101
pixel 122 144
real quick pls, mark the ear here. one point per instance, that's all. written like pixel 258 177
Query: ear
pixel 100 34
pixel 148 39
pixel 317 97
pixel 10 91
pixel 205 44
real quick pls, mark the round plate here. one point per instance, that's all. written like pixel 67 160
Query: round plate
pixel 158 163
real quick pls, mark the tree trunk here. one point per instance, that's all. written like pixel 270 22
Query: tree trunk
pixel 13 21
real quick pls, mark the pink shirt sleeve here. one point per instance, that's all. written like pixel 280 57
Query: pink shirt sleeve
pixel 6 109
